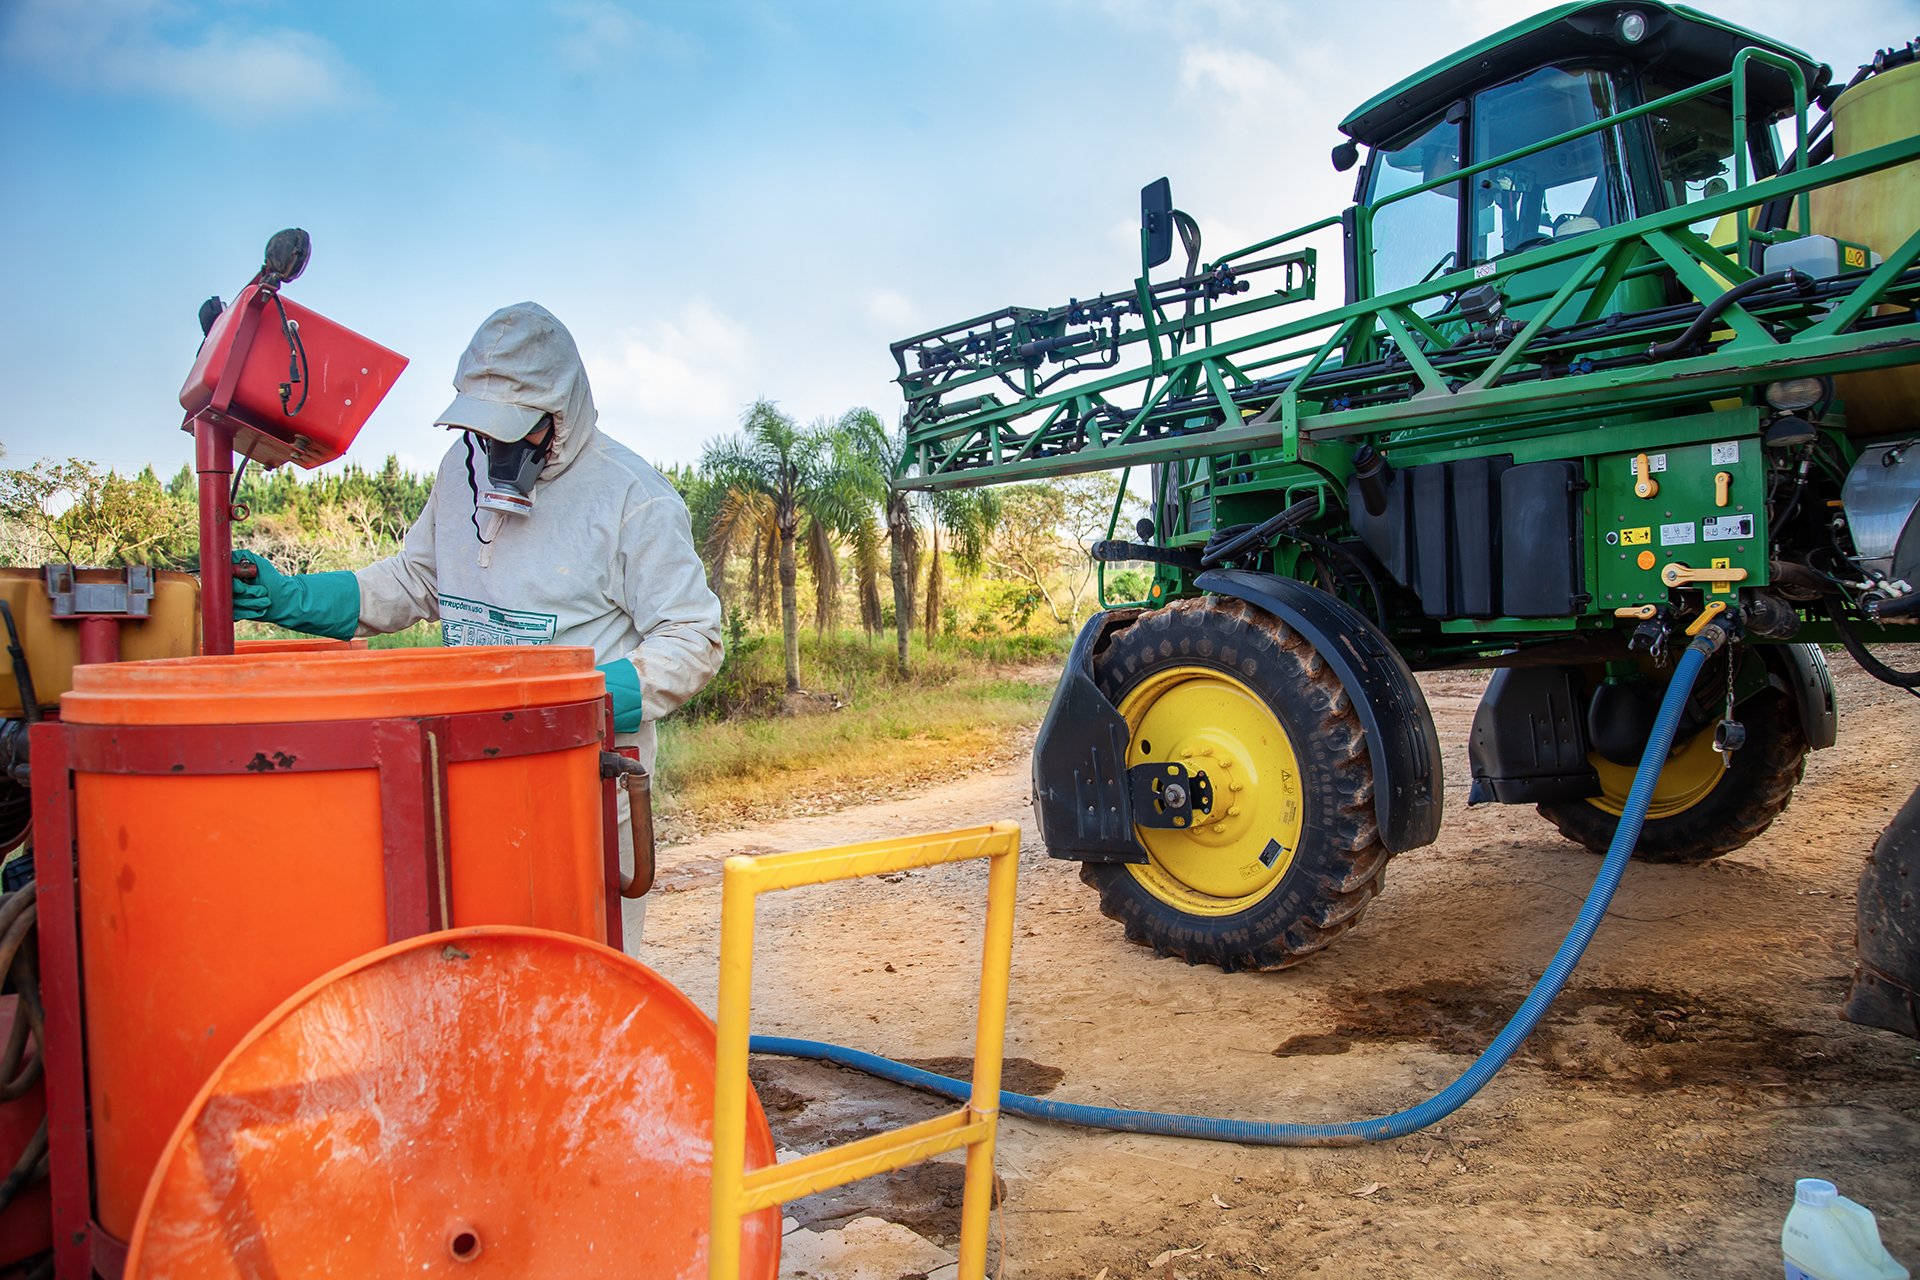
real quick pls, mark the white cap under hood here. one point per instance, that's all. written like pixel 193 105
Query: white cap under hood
pixel 521 365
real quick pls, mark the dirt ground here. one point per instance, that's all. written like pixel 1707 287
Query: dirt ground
pixel 1653 1126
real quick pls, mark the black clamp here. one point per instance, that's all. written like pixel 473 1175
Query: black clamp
pixel 1167 796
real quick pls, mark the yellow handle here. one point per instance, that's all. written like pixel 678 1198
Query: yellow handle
pixel 1722 488
pixel 1644 485
pixel 1713 610
pixel 1636 611
pixel 1680 575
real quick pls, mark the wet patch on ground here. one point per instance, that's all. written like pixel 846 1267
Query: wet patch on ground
pixel 1637 1039
pixel 812 1105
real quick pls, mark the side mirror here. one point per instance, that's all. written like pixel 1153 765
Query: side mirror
pixel 1346 155
pixel 1156 222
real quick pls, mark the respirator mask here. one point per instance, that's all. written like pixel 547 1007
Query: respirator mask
pixel 512 467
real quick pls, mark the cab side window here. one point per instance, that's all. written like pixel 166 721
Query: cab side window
pixel 1415 238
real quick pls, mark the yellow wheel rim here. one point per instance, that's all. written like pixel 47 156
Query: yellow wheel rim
pixel 1211 723
pixel 1690 775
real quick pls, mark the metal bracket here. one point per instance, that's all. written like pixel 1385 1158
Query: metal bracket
pixel 130 597
pixel 1166 795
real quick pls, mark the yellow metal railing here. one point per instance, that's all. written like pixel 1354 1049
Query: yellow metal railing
pixel 737 1193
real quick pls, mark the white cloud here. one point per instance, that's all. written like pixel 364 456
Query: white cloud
pixel 1235 79
pixel 130 46
pixel 893 310
pixel 666 386
pixel 604 34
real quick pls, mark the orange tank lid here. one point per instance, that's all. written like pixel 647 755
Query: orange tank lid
pixel 485 1102
pixel 330 684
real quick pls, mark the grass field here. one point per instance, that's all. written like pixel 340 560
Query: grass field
pixel 743 750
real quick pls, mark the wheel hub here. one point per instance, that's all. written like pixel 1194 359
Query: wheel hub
pixel 1238 849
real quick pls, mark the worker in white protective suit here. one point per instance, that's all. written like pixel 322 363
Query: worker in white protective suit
pixel 539 529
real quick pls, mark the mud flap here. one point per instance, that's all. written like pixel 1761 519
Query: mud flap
pixel 1080 795
pixel 1886 975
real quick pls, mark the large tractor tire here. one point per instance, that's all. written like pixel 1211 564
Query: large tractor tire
pixel 1705 804
pixel 1886 973
pixel 1290 854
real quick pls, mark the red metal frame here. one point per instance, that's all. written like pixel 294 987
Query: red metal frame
pixel 213 434
pixel 213 459
pixel 411 756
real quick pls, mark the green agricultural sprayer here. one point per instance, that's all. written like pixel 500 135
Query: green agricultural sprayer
pixel 1628 349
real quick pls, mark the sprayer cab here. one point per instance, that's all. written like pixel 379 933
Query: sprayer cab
pixel 1562 75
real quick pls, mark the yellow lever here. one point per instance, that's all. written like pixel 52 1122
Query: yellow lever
pixel 1722 488
pixel 1713 610
pixel 1644 485
pixel 1636 611
pixel 1680 575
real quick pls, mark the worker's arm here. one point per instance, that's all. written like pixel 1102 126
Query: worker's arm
pixel 320 604
pixel 665 589
pixel 404 588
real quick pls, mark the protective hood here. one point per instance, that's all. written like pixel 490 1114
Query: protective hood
pixel 521 364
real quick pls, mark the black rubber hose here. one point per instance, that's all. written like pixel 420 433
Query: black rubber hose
pixel 1260 534
pixel 17 920
pixel 26 1167
pixel 1691 336
pixel 1868 663
pixel 22 674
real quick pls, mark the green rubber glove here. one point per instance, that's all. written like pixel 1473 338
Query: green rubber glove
pixel 320 604
pixel 623 682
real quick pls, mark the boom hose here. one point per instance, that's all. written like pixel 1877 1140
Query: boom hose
pixel 1278 1134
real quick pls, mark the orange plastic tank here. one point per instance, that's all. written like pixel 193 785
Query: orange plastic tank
pixel 246 823
pixel 488 1104
pixel 303 644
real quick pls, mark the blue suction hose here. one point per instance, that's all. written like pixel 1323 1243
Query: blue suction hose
pixel 1354 1132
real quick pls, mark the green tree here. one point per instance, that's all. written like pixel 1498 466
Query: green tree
pixel 1046 534
pixel 966 514
pixel 75 513
pixel 787 488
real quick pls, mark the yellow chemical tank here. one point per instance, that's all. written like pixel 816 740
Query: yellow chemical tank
pixel 1880 211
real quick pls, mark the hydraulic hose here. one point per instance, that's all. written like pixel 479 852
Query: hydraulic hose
pixel 1350 1133
pixel 1691 336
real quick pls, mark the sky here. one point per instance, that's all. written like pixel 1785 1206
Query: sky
pixel 724 201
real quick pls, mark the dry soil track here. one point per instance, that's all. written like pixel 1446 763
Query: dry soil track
pixel 1653 1126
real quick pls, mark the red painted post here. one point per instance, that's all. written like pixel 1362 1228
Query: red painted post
pixel 99 639
pixel 66 1075
pixel 213 459
pixel 412 759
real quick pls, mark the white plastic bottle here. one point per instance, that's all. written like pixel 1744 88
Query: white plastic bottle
pixel 1829 1237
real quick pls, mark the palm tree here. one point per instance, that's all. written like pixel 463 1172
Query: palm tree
pixel 788 488
pixel 967 515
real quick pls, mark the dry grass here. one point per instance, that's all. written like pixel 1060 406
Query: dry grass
pixel 719 774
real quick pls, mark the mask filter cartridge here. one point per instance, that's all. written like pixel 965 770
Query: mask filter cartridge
pixel 512 468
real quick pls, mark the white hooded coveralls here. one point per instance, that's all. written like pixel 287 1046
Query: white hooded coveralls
pixel 605 559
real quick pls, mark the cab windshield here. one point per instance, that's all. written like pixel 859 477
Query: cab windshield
pixel 1564 191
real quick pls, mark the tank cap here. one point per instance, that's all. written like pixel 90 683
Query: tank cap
pixel 1816 1192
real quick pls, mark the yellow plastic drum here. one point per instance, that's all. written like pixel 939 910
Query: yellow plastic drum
pixel 1879 211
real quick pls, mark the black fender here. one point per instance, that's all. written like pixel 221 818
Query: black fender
pixel 1803 668
pixel 1402 745
pixel 1080 793
pixel 1080 760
